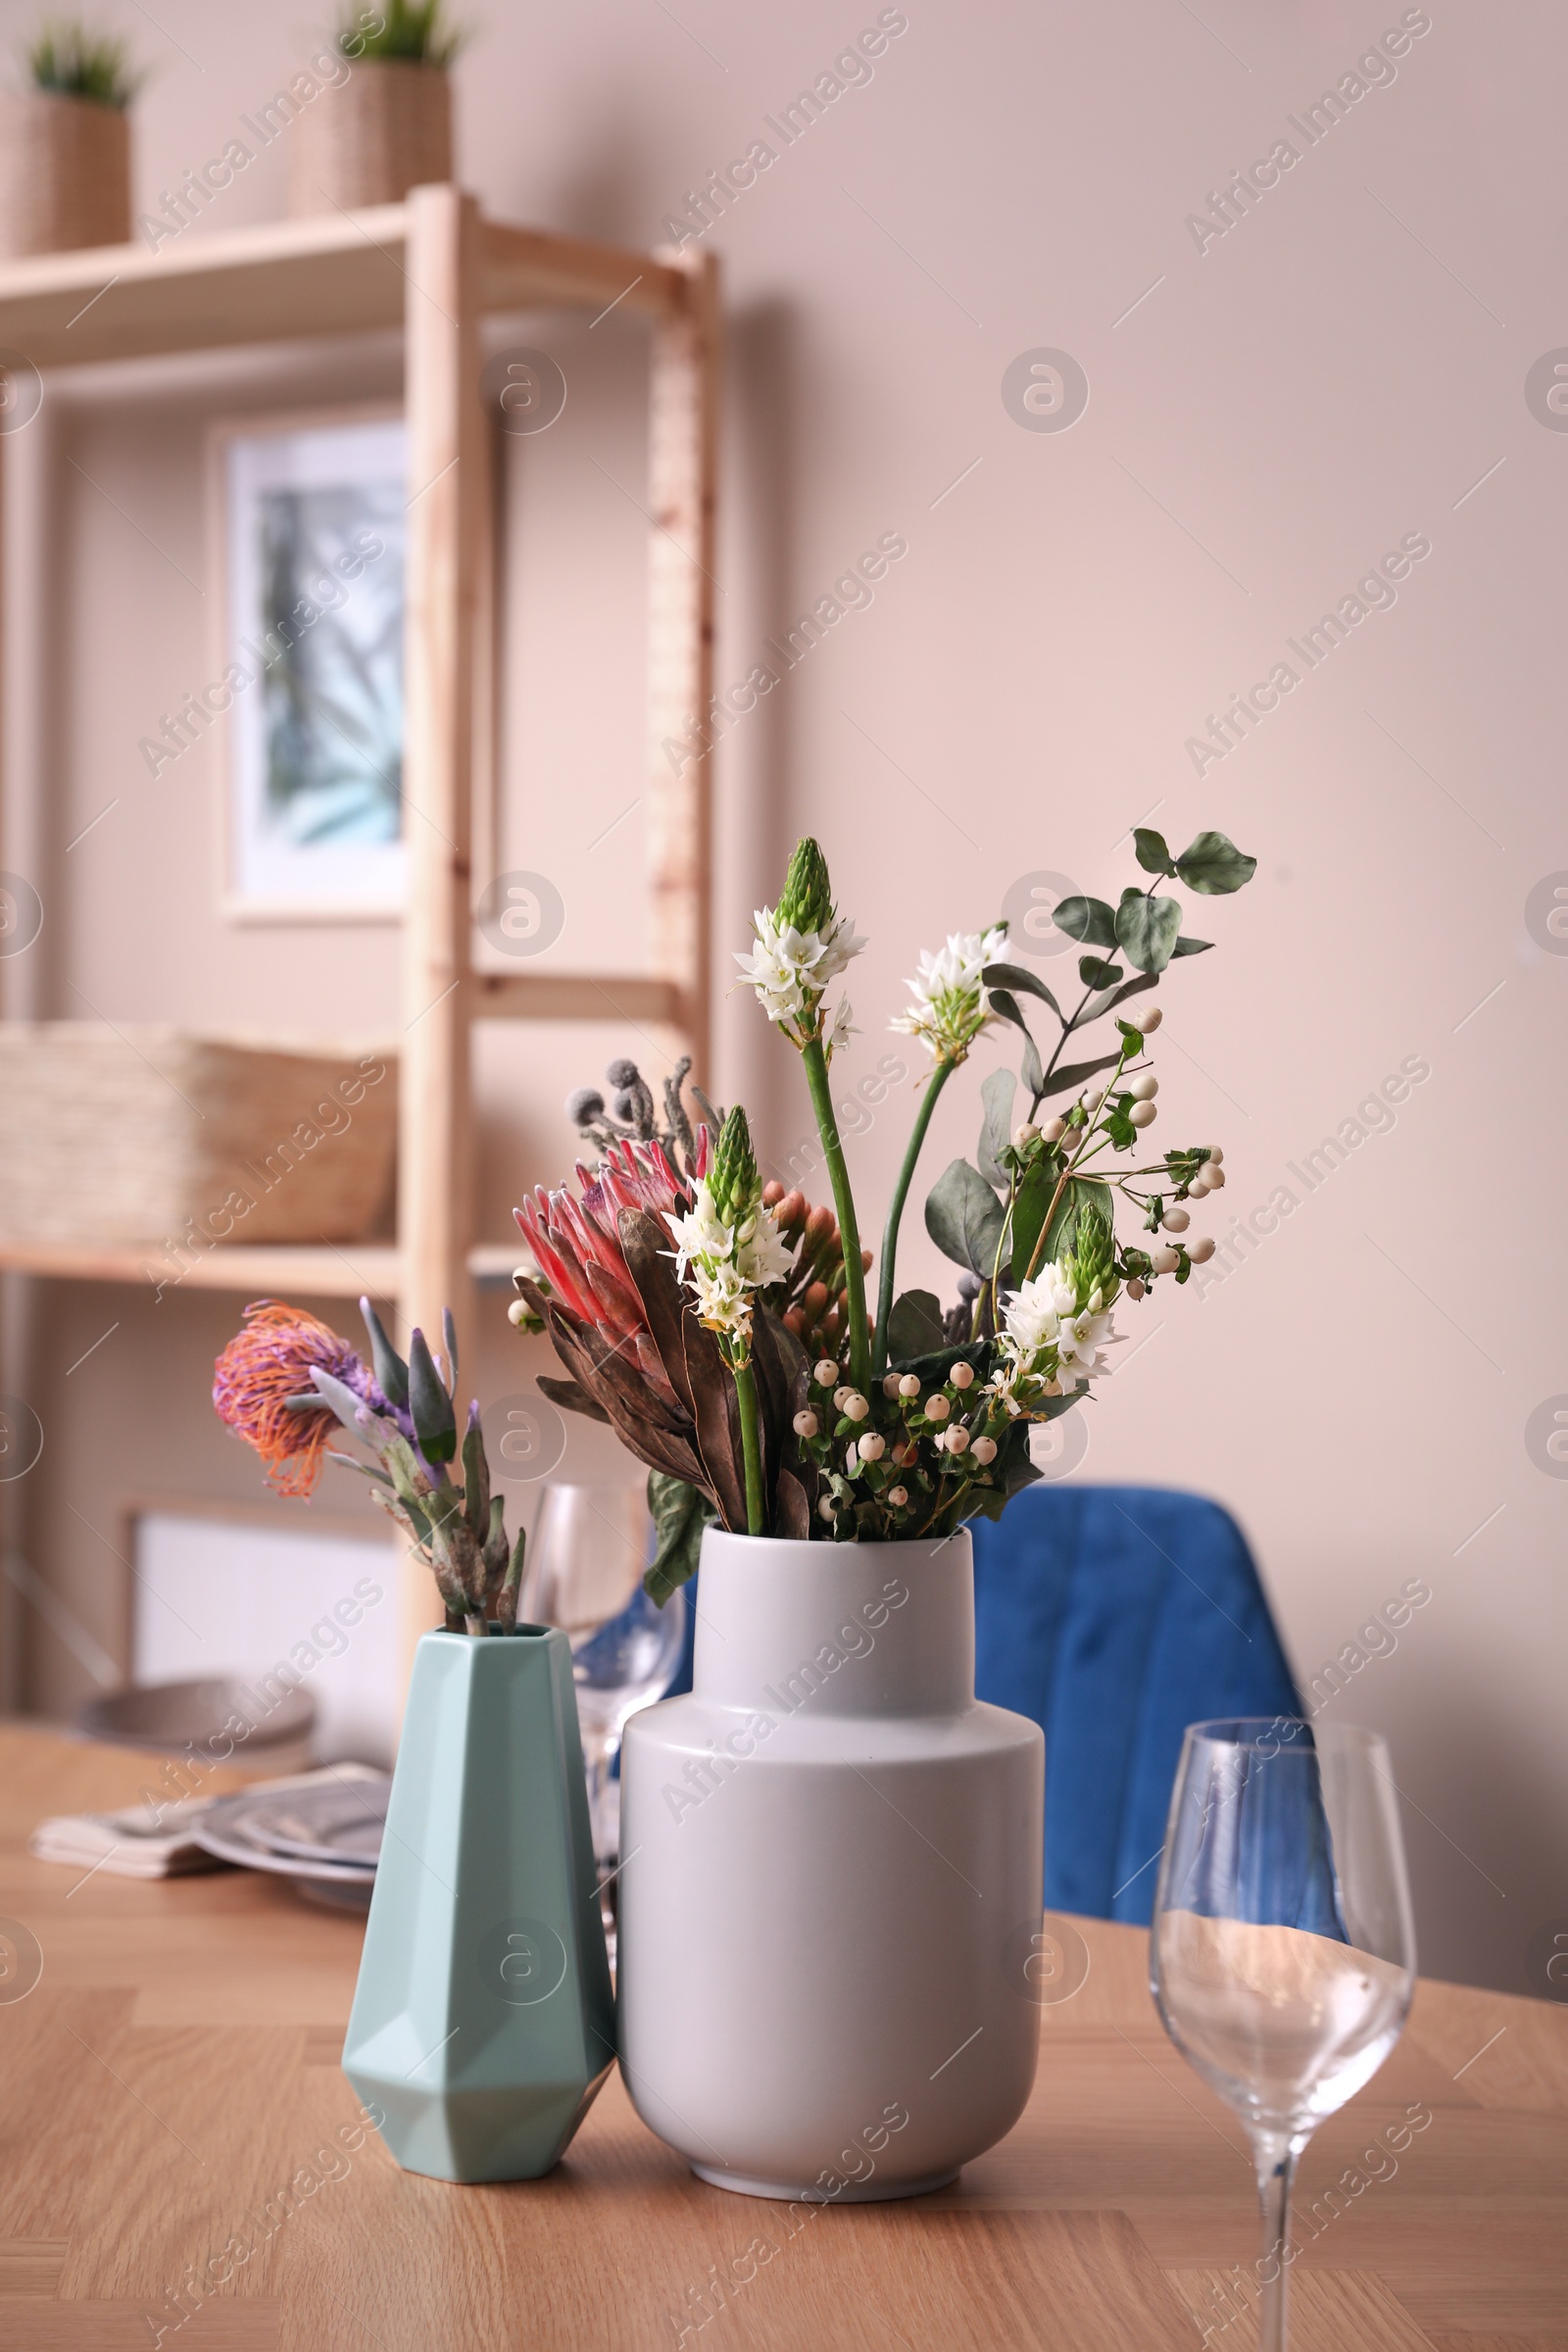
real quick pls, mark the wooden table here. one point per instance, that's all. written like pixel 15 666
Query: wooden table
pixel 175 2068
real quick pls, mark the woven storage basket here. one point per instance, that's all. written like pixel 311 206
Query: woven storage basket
pixel 128 1137
pixel 64 174
pixel 386 129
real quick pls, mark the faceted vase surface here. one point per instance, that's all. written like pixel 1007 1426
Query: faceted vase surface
pixel 483 2020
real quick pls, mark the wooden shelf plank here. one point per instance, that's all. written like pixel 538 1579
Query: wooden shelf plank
pixel 343 274
pixel 578 996
pixel 522 269
pixel 261 1270
pixel 337 275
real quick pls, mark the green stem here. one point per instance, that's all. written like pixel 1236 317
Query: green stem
pixel 816 1060
pixel 1068 1171
pixel 1067 1028
pixel 752 1449
pixel 995 1266
pixel 890 1232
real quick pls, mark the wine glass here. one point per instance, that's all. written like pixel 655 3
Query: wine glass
pixel 1282 1955
pixel 585 1562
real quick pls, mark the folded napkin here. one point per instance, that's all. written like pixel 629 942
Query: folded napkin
pixel 141 1843
pixel 129 1846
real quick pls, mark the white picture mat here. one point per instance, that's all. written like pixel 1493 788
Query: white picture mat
pixel 264 872
pixel 213 1596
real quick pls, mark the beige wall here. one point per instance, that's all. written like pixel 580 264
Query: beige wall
pixel 1331 374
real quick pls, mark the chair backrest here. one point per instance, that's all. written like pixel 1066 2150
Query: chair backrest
pixel 1115 1616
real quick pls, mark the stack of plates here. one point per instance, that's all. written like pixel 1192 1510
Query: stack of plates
pixel 322 1833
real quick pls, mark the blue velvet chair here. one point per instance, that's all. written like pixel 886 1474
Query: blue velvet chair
pixel 1115 1616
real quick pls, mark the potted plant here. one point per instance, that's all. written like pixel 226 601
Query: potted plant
pixel 482 2021
pixel 65 146
pixel 832 1874
pixel 387 127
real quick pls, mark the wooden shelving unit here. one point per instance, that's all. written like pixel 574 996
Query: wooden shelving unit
pixel 436 267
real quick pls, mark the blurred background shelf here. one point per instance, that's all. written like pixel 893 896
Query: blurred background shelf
pixel 291 278
pixel 317 1271
pixel 436 267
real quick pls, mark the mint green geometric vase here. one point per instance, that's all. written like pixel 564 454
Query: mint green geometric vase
pixel 483 2021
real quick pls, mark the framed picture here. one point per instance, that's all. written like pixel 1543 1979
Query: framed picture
pixel 309 531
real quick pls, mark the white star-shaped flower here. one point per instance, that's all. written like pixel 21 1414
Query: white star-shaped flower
pixel 761 1251
pixel 701 1233
pixel 790 969
pixel 952 1004
pixel 723 1298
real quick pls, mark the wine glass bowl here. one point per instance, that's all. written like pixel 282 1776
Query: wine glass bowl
pixel 586 1557
pixel 1282 1958
pixel 586 1552
pixel 1285 2024
pixel 626 1664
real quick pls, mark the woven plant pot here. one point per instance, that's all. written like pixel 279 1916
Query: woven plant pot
pixel 64 174
pixel 386 129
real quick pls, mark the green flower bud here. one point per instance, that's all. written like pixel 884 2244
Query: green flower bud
pixel 806 900
pixel 732 1183
pixel 1094 1261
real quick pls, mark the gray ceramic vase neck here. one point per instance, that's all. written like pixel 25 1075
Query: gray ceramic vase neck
pixel 868 1628
pixel 483 2020
pixel 833 1864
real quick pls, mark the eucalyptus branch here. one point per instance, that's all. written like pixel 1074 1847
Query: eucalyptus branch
pixel 1072 1169
pixel 1067 1028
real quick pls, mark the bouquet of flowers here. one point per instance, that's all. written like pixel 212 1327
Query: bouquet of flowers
pixel 721 1325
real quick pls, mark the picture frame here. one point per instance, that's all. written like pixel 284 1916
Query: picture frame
pixel 307 553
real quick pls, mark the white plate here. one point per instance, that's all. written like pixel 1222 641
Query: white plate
pixel 329 1823
pixel 245 1829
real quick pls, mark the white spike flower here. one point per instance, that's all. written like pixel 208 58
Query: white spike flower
pixel 952 1004
pixel 722 1265
pixel 840 1029
pixel 1050 1343
pixel 723 1298
pixel 792 969
pixel 761 1251
pixel 701 1233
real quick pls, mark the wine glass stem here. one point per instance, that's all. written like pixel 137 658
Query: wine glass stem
pixel 1275 2154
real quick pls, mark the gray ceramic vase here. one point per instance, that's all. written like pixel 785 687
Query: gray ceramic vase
pixel 832 1879
pixel 483 2021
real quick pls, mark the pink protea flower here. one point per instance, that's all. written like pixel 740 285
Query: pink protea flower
pixel 577 1241
pixel 271 1360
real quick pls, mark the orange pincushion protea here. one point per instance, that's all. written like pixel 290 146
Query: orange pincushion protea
pixel 271 1360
